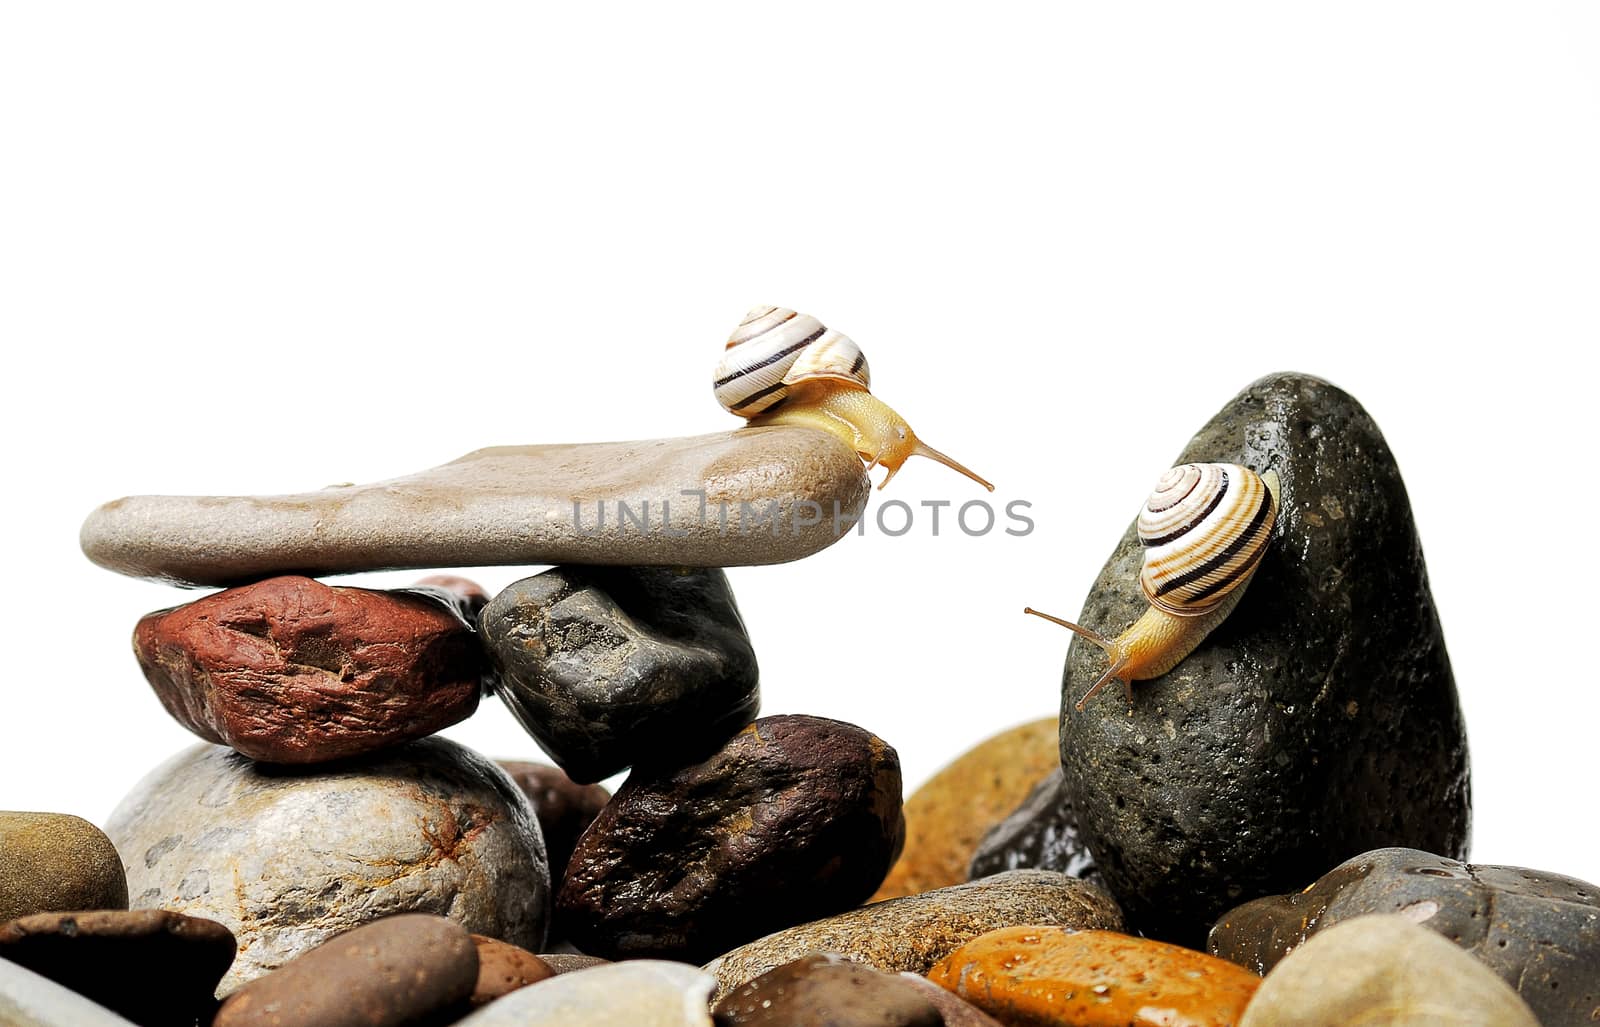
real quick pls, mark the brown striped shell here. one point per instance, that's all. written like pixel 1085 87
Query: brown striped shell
pixel 774 349
pixel 1204 529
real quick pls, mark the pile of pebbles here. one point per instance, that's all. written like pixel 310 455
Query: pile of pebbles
pixel 1275 832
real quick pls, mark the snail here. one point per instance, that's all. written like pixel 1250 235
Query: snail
pixel 780 367
pixel 1204 529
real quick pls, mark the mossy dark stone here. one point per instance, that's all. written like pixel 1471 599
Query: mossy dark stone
pixel 612 667
pixel 1539 931
pixel 793 819
pixel 1319 721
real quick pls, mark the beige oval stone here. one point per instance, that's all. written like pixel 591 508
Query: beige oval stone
pixel 948 815
pixel 777 487
pixel 56 863
pixel 1384 969
pixel 916 931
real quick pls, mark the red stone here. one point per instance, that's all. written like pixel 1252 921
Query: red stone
pixel 290 670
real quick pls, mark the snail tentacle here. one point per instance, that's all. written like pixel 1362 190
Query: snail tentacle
pixel 1118 656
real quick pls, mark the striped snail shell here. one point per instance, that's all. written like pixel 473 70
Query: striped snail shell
pixel 1204 528
pixel 774 349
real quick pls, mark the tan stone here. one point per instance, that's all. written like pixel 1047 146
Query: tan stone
pixel 916 931
pixel 949 814
pixel 510 505
pixel 1383 968
pixel 55 862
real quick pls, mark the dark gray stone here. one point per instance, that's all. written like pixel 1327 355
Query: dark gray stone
pixel 1539 931
pixel 1041 833
pixel 1319 721
pixel 794 818
pixel 613 667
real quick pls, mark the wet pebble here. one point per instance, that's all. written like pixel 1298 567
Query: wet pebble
pixel 1050 977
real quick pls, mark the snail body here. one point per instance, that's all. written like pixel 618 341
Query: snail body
pixel 1204 529
pixel 780 367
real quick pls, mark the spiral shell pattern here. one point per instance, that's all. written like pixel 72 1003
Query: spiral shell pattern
pixel 773 349
pixel 1204 529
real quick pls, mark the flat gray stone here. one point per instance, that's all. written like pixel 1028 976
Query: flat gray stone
pixel 637 993
pixel 770 497
pixel 29 1000
pixel 289 857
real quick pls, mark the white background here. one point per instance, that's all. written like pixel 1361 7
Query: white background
pixel 266 248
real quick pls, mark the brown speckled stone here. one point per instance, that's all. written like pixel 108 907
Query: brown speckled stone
pixel 793 818
pixel 826 989
pixel 914 932
pixel 564 808
pixel 1049 977
pixel 952 810
pixel 54 861
pixel 513 505
pixel 152 966
pixel 1539 931
pixel 289 857
pixel 504 968
pixel 290 670
pixel 396 972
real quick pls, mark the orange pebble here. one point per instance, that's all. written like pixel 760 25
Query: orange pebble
pixel 1052 977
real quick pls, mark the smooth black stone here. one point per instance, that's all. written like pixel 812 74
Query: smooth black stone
pixel 1041 834
pixel 613 667
pixel 1319 721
